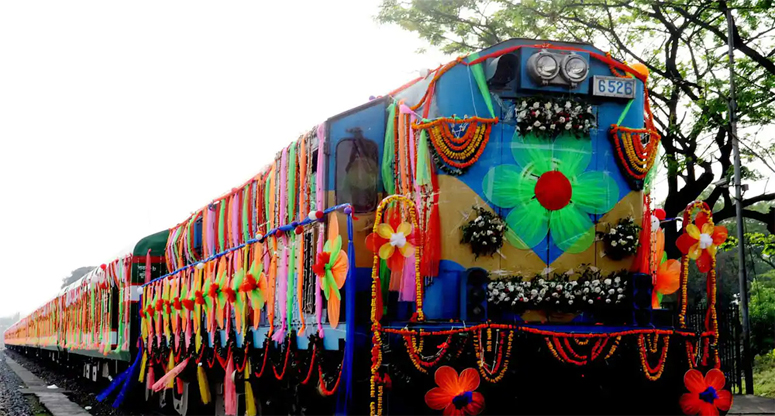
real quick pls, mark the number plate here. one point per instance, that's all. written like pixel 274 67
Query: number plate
pixel 613 87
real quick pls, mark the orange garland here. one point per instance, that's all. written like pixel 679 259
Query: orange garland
pixel 502 358
pixel 375 393
pixel 711 318
pixel 653 373
pixel 457 153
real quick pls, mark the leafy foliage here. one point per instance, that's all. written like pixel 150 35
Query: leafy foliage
pixel 683 43
pixel 76 274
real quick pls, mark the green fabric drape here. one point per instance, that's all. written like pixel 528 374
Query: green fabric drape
pixel 388 154
pixel 481 82
pixel 291 184
pixel 291 279
pixel 423 171
pixel 221 223
pixel 384 279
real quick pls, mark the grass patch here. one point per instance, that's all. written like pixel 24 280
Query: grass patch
pixel 764 375
pixel 36 406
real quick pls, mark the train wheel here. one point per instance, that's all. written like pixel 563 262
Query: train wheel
pixel 181 404
pixel 163 399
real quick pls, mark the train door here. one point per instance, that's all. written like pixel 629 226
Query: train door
pixel 354 143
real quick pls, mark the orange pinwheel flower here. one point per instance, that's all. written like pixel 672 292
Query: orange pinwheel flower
pixel 701 240
pixel 668 276
pixel 456 394
pixel 705 396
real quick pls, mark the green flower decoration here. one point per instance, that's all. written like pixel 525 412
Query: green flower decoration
pixel 550 192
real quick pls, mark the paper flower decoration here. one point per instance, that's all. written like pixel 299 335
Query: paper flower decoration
pixel 550 192
pixel 331 268
pixel 705 396
pixel 251 285
pixel 455 394
pixel 393 241
pixel 701 240
pixel 668 276
pixel 215 298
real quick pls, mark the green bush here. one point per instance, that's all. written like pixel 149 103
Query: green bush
pixel 761 315
pixel 764 374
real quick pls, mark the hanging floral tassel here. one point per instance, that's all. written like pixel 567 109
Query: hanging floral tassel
pixel 142 367
pixel 150 379
pixel 168 381
pixel 250 400
pixel 204 386
pixel 230 390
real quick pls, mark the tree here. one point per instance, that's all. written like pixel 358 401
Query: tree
pixel 76 274
pixel 683 43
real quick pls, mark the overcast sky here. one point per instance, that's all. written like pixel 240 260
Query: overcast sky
pixel 118 120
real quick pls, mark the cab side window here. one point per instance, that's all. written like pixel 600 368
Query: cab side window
pixel 357 173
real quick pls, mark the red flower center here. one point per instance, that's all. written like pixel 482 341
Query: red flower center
pixel 214 289
pixel 249 284
pixel 553 190
pixel 231 296
pixel 199 297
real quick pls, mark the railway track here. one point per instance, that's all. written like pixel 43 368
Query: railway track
pixel 81 392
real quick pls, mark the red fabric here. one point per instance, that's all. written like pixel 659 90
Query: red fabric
pixel 553 190
pixel 148 266
pixel 685 243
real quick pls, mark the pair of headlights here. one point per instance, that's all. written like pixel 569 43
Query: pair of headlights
pixel 546 66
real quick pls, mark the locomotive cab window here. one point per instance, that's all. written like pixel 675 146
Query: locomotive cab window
pixel 357 173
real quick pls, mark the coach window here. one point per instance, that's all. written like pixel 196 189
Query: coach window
pixel 357 172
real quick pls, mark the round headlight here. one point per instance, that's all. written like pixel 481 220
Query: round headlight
pixel 546 67
pixel 575 68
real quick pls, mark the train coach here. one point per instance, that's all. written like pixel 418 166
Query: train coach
pixel 480 240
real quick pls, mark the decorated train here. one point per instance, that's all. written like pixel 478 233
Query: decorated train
pixel 480 240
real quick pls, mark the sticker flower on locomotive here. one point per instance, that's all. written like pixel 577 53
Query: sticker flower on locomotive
pixel 455 394
pixel 706 395
pixel 550 192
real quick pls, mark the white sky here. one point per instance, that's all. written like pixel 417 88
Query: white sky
pixel 117 120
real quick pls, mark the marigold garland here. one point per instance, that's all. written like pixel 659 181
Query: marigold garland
pixel 454 154
pixel 613 348
pixel 376 339
pixel 420 362
pixel 653 373
pixel 498 371
pixel 635 159
pixel 711 317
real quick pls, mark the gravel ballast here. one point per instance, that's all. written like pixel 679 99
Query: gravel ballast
pixel 12 402
pixel 79 390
